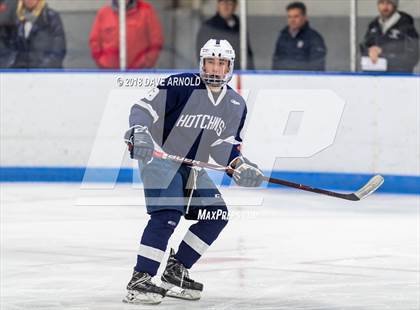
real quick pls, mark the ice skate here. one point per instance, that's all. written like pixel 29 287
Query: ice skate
pixel 176 281
pixel 141 290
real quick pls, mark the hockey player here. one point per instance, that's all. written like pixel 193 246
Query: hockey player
pixel 196 121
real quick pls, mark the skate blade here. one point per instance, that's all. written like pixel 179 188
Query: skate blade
pixel 134 297
pixel 177 292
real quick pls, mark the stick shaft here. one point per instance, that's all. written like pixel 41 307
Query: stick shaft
pixel 190 162
pixel 309 188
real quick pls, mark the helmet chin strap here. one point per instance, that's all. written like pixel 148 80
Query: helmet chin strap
pixel 215 89
pixel 213 80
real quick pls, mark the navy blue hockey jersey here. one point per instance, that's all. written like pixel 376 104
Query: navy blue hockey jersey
pixel 186 119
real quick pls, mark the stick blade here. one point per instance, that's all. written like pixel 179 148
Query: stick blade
pixel 371 186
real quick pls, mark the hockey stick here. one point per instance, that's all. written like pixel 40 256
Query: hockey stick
pixel 372 185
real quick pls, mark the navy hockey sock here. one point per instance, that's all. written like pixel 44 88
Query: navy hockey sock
pixel 155 239
pixel 202 234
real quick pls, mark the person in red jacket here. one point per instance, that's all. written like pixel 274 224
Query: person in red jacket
pixel 144 36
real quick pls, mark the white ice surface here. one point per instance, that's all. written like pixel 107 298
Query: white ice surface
pixel 63 248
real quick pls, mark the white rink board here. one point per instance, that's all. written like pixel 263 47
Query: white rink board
pixel 52 119
pixel 295 251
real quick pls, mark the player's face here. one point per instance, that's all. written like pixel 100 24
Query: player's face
pixel 30 4
pixel 386 9
pixel 226 8
pixel 295 19
pixel 216 66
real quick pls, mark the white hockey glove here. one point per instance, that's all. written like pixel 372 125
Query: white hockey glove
pixel 140 143
pixel 246 173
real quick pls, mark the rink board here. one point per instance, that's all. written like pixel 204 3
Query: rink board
pixel 348 182
pixel 54 122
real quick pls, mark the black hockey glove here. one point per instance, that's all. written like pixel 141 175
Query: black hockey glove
pixel 246 174
pixel 140 143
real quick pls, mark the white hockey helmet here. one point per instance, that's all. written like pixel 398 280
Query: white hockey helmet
pixel 217 49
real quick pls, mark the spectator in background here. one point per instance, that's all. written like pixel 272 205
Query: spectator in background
pixel 7 32
pixel 392 36
pixel 40 41
pixel 224 25
pixel 144 36
pixel 299 47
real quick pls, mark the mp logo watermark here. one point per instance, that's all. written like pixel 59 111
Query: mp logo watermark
pixel 281 123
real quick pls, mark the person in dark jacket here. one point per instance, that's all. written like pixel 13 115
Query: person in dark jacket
pixel 225 26
pixel 299 47
pixel 40 39
pixel 7 32
pixel 392 36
